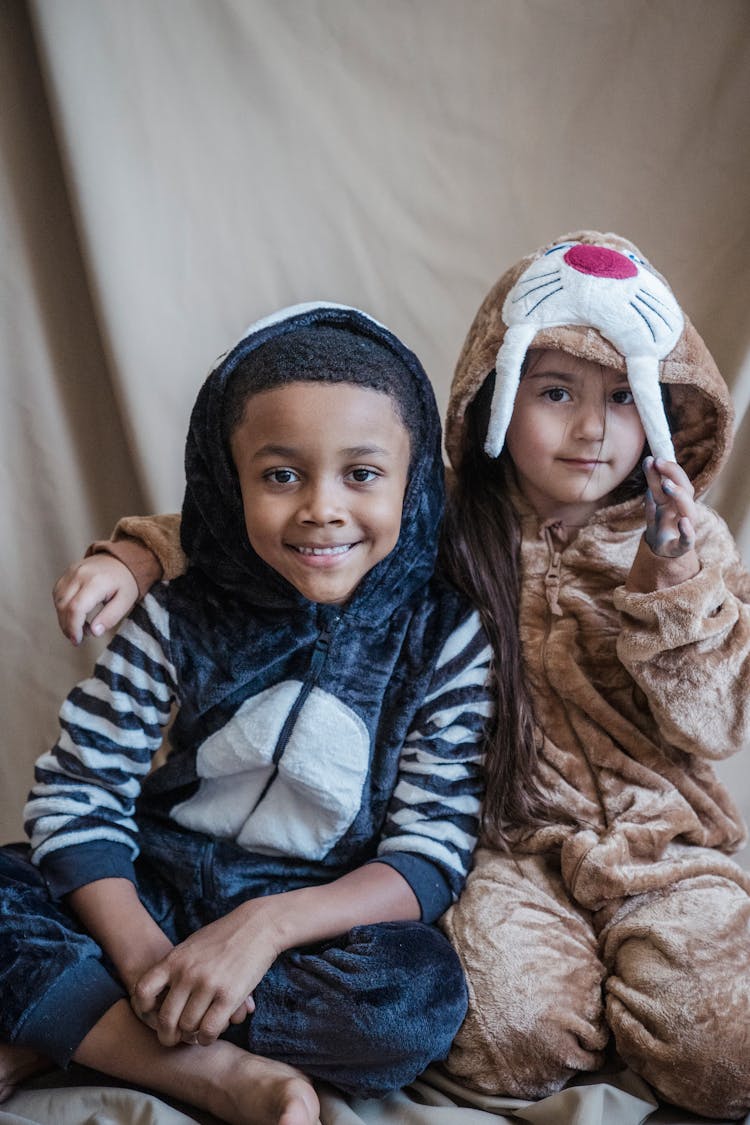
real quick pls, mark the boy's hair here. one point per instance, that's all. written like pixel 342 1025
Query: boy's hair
pixel 324 354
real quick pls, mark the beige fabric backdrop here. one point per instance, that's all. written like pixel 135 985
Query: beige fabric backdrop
pixel 172 169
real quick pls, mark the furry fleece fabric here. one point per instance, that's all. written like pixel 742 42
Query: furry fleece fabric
pixel 622 922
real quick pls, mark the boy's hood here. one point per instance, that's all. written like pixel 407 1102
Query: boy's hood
pixel 634 310
pixel 213 526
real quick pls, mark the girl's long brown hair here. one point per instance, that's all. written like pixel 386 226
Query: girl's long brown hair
pixel 480 552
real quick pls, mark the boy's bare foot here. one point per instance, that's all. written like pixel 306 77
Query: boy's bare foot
pixel 16 1065
pixel 234 1085
pixel 263 1092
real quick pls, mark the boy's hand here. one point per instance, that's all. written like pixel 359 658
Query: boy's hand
pixel 670 509
pixel 206 982
pixel 100 580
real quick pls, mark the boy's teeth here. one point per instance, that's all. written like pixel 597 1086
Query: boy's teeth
pixel 324 550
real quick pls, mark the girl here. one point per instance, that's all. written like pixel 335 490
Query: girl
pixel 603 908
pixel 616 916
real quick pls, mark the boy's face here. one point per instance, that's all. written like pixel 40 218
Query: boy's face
pixel 574 436
pixel 323 469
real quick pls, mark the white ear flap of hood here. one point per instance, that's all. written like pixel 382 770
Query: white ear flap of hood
pixel 508 364
pixel 643 376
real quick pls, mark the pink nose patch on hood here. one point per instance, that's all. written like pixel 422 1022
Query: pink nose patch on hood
pixel 600 261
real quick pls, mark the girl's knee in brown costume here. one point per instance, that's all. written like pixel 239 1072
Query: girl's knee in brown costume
pixel 678 993
pixel 535 1008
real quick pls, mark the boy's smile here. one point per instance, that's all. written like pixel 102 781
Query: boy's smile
pixel 323 469
pixel 574 436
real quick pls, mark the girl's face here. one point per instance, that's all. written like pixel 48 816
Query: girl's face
pixel 574 436
pixel 323 470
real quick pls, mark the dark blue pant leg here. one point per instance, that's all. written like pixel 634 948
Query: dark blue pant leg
pixel 367 1012
pixel 53 984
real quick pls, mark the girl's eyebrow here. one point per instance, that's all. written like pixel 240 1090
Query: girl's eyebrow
pixel 562 376
pixel 618 377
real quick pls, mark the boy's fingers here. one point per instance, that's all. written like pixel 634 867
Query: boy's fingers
pixel 192 1014
pixel 168 1021
pixel 246 1008
pixel 215 1020
pixel 150 990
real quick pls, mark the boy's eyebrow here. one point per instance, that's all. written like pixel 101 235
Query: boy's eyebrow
pixel 354 451
pixel 364 451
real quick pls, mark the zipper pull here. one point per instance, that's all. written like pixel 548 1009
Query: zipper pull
pixel 552 585
pixel 320 648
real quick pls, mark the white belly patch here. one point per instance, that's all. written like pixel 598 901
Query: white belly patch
pixel 316 793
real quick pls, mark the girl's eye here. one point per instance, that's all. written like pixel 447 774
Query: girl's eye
pixel 623 397
pixel 557 394
pixel 282 476
pixel 362 475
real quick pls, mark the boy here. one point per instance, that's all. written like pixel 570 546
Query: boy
pixel 324 777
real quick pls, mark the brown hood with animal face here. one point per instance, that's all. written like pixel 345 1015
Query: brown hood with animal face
pixel 700 405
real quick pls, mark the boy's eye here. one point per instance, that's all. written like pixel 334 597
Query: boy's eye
pixel 363 475
pixel 281 476
pixel 623 397
pixel 557 394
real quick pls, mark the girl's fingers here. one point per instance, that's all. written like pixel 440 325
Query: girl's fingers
pixel 687 534
pixel 681 498
pixel 674 481
pixel 656 483
pixel 112 612
pixel 653 479
pixel 674 472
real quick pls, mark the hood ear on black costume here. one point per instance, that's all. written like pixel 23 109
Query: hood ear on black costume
pixel 596 297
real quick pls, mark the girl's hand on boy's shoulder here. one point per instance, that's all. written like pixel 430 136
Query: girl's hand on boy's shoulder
pixel 670 509
pixel 99 580
pixel 206 982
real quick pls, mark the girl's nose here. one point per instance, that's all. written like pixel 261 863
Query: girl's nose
pixel 589 421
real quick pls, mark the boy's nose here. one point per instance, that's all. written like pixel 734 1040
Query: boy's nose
pixel 321 505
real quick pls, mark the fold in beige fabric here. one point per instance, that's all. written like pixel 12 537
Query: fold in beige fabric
pixel 619 1098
